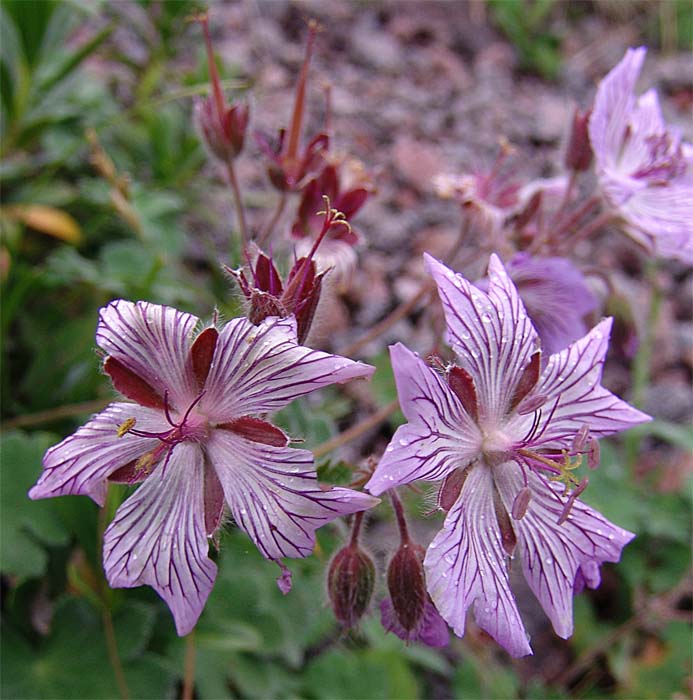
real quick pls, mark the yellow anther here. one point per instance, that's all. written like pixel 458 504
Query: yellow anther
pixel 126 426
pixel 144 464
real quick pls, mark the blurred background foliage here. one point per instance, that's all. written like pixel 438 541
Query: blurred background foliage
pixel 102 198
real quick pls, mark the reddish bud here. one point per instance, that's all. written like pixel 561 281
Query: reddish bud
pixel 578 155
pixel 350 583
pixel 407 585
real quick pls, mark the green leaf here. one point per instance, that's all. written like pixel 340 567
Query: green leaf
pixel 26 526
pixel 73 661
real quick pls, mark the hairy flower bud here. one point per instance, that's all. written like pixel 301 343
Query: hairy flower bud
pixel 407 586
pixel 578 155
pixel 350 582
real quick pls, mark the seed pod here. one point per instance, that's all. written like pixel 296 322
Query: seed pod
pixel 407 586
pixel 350 582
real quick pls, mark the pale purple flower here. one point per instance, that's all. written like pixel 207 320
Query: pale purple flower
pixel 645 170
pixel 498 427
pixel 198 439
pixel 556 297
pixel 432 630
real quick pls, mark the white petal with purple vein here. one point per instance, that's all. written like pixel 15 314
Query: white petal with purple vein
pixel 553 555
pixel 491 333
pixel 274 494
pixel 154 342
pixel 261 368
pixel 440 435
pixel 81 463
pixel 466 565
pixel 157 538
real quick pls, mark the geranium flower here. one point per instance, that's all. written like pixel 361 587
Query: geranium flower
pixel 503 430
pixel 197 437
pixel 644 169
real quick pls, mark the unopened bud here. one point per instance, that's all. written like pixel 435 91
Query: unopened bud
pixel 521 503
pixel 407 586
pixel 593 454
pixel 578 155
pixel 350 582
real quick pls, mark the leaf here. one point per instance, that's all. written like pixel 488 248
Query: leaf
pixel 26 525
pixel 45 219
pixel 73 661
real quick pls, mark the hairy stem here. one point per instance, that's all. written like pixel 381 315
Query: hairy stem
pixel 269 227
pixel 401 520
pixel 189 668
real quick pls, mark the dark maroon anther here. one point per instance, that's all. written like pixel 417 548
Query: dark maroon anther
pixel 132 385
pixel 257 430
pixel 508 537
pixel 528 380
pixel 578 155
pixel 450 489
pixel 462 384
pixel 213 501
pixel 593 453
pixel 406 584
pixel 580 440
pixel 202 353
pixel 571 500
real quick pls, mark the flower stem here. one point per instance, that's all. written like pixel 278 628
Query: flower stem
pixel 401 520
pixel 107 618
pixel 51 414
pixel 267 231
pixel 356 528
pixel 356 430
pixel 238 202
pixel 189 668
pixel 589 228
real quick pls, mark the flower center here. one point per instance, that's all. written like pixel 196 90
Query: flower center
pixel 665 160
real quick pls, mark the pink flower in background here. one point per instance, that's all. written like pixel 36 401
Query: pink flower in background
pixel 197 438
pixel 644 169
pixel 503 429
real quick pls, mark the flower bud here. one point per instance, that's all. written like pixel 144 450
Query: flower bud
pixel 350 582
pixel 578 155
pixel 407 586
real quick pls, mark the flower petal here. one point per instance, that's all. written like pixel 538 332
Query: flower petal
pixel 491 333
pixel 613 104
pixel 440 435
pixel 432 630
pixel 154 342
pixel 556 557
pixel 274 494
pixel 571 382
pixel 158 537
pixel 82 463
pixel 466 565
pixel 261 368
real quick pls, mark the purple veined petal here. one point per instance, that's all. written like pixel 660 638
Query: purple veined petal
pixel 645 121
pixel 432 631
pixel 157 538
pixel 257 369
pixel 491 333
pixel 612 107
pixel 665 216
pixel 571 380
pixel 274 494
pixel 154 342
pixel 557 559
pixel 556 297
pixel 440 435
pixel 81 463
pixel 466 566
